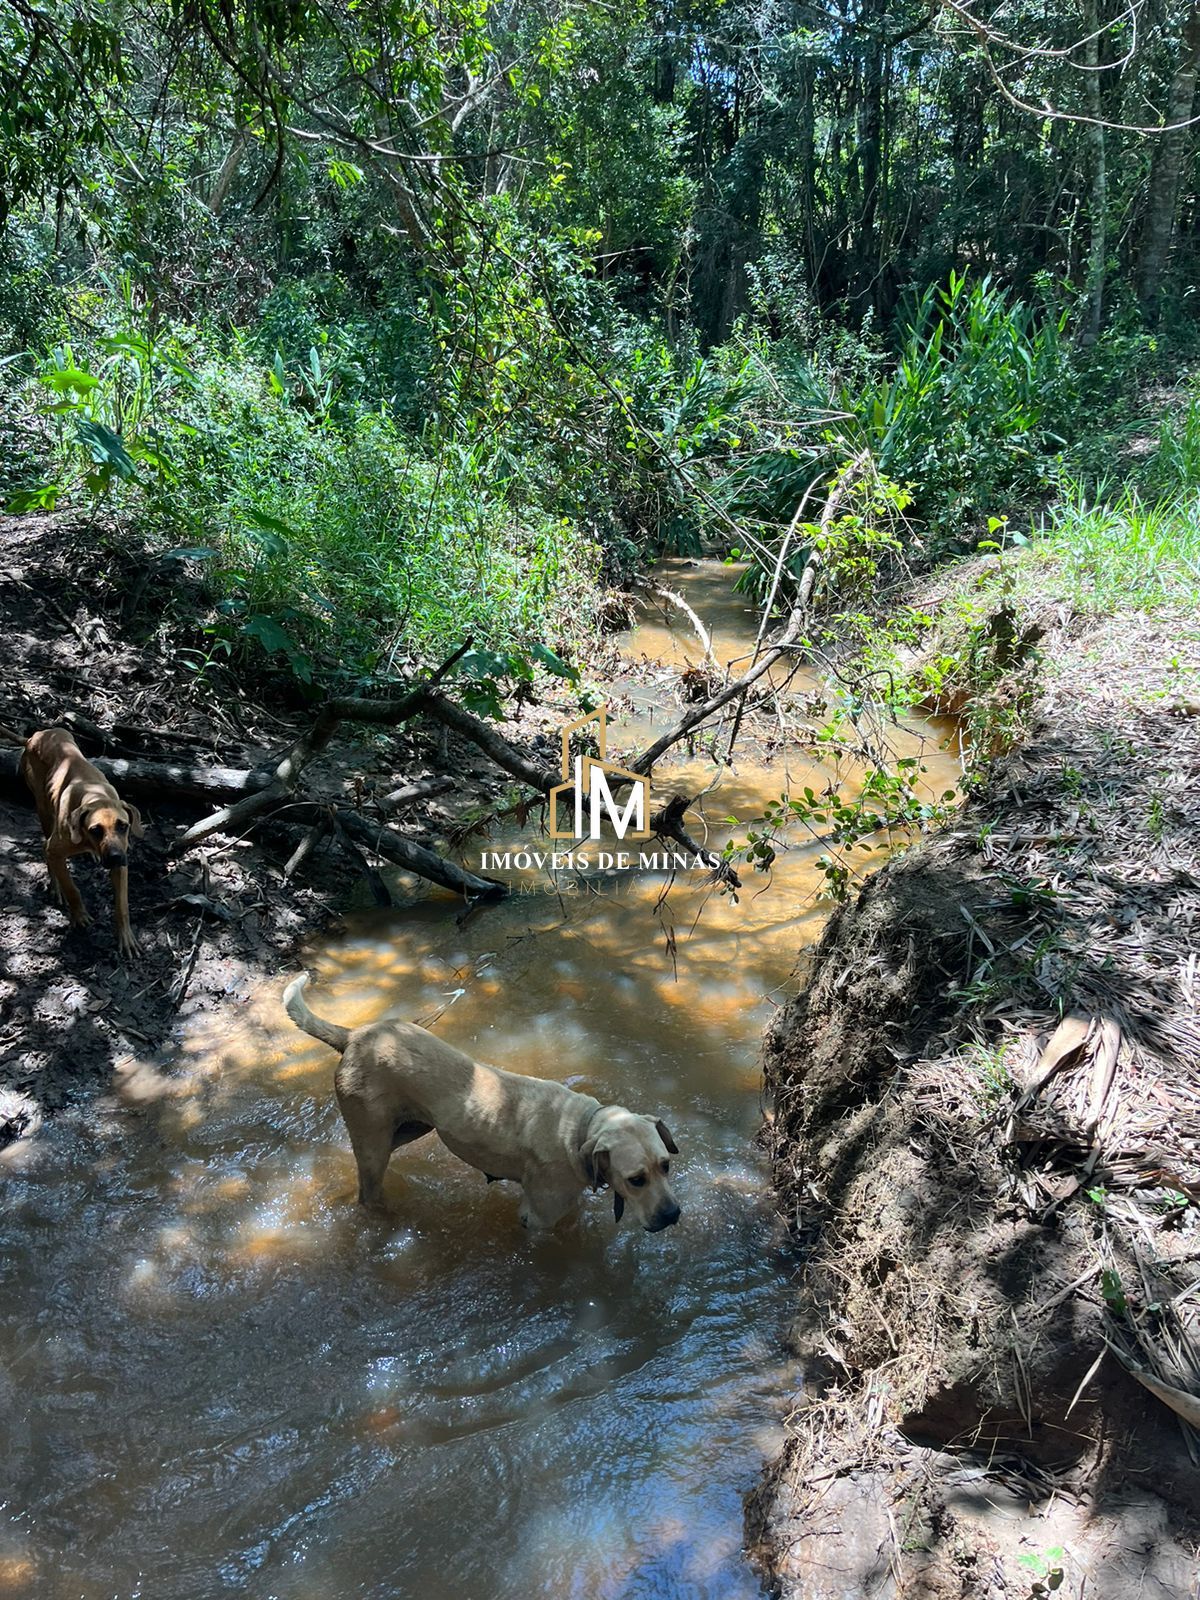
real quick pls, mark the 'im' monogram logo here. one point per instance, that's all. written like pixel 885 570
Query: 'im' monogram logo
pixel 586 779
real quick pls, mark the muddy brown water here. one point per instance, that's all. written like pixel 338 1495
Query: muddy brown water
pixel 217 1377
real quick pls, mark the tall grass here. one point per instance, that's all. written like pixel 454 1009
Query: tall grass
pixel 1174 466
pixel 970 412
pixel 1125 554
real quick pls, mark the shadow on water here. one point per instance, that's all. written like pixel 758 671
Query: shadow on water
pixel 222 1378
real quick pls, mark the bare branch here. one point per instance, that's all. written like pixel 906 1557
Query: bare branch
pixel 989 37
pixel 786 641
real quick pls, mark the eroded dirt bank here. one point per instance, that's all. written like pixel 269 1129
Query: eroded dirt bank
pixel 109 638
pixel 987 1136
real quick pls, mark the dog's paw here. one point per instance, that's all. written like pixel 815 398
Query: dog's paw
pixel 127 944
pixel 81 918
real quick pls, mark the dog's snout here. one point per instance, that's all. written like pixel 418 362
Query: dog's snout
pixel 666 1218
pixel 114 858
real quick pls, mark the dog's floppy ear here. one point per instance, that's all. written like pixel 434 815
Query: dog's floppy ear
pixel 135 821
pixel 595 1164
pixel 664 1133
pixel 75 825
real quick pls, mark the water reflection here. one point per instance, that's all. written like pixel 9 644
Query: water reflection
pixel 219 1377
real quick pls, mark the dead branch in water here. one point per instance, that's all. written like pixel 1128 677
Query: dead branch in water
pixel 333 713
pixel 380 892
pixel 669 819
pixel 317 820
pixel 251 794
pixel 672 598
pixel 667 823
pixel 787 640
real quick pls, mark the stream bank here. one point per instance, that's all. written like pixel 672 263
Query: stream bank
pixel 106 637
pixel 986 1137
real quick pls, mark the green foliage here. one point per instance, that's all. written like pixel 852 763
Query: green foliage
pixel 110 410
pixel 994 1084
pixel 61 67
pixel 490 677
pixel 371 550
pixel 976 406
pixel 1114 554
pixel 888 800
pixel 1047 1571
pixel 973 409
pixel 1113 1292
pixel 416 317
pixel 849 548
pixel 328 538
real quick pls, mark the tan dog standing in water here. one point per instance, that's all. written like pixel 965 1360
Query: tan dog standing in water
pixel 80 813
pixel 396 1083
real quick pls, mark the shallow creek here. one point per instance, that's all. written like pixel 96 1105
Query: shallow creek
pixel 217 1377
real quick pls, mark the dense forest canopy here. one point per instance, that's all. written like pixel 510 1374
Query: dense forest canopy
pixel 418 315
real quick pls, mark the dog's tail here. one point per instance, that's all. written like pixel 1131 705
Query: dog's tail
pixel 330 1033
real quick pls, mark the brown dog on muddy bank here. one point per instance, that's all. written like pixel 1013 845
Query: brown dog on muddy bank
pixel 81 813
pixel 396 1083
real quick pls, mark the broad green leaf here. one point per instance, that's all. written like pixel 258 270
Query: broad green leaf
pixel 43 499
pixel 484 664
pixel 554 663
pixel 67 379
pixel 107 448
pixel 268 633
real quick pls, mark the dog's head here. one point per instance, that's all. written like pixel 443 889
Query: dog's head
pixel 633 1155
pixel 104 824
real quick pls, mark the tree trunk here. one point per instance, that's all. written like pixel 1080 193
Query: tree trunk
pixel 229 171
pixel 870 153
pixel 1166 167
pixel 808 165
pixel 1098 204
pixel 154 780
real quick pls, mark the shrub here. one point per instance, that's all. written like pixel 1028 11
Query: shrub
pixel 328 539
pixel 977 404
pixel 350 545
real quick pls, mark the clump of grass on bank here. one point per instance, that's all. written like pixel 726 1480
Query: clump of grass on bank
pixel 981 637
pixel 1126 554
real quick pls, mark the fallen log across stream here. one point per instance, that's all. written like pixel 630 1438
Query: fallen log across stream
pixel 183 780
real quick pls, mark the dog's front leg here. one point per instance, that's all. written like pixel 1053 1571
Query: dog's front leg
pixel 126 943
pixel 543 1208
pixel 64 885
